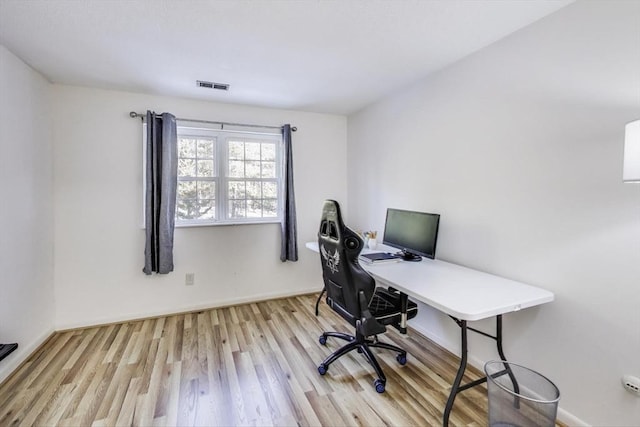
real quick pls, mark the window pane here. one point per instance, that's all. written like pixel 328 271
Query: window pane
pixel 186 209
pixel 253 190
pixel 205 149
pixel 268 169
pixel 206 190
pixel 236 190
pixel 254 208
pixel 236 150
pixel 205 168
pixel 186 167
pixel 206 209
pixel 269 152
pixel 186 147
pixel 269 208
pixel 186 190
pixel 269 190
pixel 252 151
pixel 236 169
pixel 252 169
pixel 237 209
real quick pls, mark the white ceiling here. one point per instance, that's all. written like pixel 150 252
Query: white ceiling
pixel 310 55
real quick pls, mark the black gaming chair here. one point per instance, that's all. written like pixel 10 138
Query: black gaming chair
pixel 352 293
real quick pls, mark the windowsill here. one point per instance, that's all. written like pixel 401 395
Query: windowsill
pixel 219 224
pixel 223 224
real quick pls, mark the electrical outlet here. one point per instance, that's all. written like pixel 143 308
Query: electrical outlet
pixel 190 279
pixel 631 384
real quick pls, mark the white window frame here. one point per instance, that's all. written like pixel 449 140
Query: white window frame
pixel 221 166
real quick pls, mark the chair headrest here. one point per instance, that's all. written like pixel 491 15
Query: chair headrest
pixel 335 233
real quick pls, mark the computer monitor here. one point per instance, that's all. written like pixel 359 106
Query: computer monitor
pixel 414 233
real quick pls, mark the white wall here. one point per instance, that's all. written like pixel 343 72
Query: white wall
pixel 519 147
pixel 98 234
pixel 26 210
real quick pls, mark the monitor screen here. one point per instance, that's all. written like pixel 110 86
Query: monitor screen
pixel 414 233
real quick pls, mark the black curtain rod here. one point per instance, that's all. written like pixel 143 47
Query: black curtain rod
pixel 142 116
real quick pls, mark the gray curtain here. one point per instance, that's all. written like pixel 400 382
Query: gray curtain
pixel 160 198
pixel 289 248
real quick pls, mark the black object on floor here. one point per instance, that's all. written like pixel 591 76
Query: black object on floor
pixel 5 349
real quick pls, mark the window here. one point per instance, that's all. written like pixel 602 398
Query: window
pixel 228 177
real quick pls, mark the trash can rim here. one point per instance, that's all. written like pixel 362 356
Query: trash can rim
pixel 489 378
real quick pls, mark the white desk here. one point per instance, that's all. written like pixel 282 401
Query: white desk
pixel 462 293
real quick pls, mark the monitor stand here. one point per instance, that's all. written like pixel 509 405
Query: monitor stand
pixel 408 256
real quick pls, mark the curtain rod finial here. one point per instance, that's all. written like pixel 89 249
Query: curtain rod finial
pixel 294 129
pixel 133 114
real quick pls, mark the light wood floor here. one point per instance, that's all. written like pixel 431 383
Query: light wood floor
pixel 253 364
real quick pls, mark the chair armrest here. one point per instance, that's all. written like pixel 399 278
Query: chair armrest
pixel 367 325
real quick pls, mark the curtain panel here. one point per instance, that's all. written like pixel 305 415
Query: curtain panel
pixel 289 248
pixel 160 195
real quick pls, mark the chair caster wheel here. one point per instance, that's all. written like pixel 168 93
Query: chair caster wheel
pixel 379 385
pixel 322 340
pixel 322 369
pixel 402 359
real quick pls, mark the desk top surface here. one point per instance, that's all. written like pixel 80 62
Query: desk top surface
pixel 455 290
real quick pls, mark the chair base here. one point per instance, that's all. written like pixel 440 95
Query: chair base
pixel 363 345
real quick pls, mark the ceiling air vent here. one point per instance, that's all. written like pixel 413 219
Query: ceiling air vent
pixel 212 85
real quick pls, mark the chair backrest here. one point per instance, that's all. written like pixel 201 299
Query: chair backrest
pixel 343 276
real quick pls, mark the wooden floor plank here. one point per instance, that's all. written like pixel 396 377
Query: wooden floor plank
pixel 252 364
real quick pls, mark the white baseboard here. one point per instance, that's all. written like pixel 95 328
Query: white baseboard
pixel 22 353
pixel 184 309
pixel 570 419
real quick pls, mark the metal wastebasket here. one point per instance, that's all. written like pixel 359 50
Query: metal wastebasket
pixel 519 396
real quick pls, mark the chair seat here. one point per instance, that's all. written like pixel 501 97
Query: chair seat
pixel 385 307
